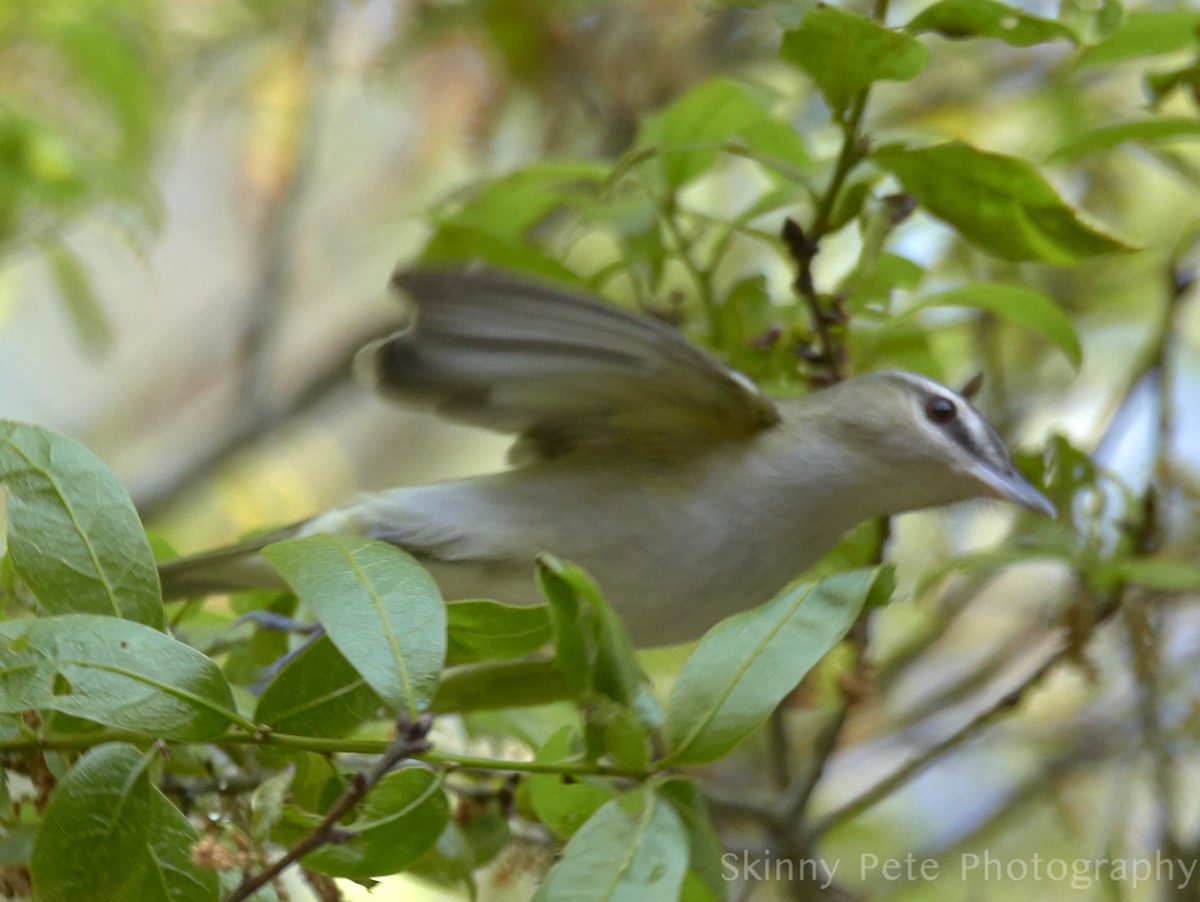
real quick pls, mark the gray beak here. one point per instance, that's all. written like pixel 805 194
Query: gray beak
pixel 1012 486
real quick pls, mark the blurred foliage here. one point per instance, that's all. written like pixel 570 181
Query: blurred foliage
pixel 82 97
pixel 808 191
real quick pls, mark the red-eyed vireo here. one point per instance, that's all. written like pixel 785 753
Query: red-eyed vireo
pixel 681 488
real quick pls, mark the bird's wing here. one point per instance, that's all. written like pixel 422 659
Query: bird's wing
pixel 557 368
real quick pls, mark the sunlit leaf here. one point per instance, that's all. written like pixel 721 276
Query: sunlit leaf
pixel 455 243
pixel 1143 33
pixel 988 19
pixel 845 53
pixel 510 206
pixel 685 135
pixel 1145 131
pixel 1000 203
pixel 1022 306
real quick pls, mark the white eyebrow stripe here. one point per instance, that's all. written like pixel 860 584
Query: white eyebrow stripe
pixel 974 435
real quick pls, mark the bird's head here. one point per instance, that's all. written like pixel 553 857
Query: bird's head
pixel 917 443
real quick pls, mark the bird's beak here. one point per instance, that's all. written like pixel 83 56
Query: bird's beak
pixel 1012 486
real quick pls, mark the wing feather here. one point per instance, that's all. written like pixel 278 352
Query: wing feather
pixel 559 369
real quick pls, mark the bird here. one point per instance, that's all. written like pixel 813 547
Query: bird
pixel 675 482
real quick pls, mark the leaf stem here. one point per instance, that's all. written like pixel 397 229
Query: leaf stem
pixel 327 746
pixel 804 245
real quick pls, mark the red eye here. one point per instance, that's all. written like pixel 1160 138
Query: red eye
pixel 940 410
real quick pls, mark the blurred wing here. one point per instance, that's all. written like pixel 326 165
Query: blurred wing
pixel 557 368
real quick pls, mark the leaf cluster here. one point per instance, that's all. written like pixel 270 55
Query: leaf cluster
pixel 131 721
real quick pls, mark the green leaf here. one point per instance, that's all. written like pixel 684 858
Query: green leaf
pixel 623 737
pixel 115 672
pixel 490 631
pixel 1145 131
pixel 877 283
pixel 1000 203
pixel 687 134
pixel 73 535
pixel 899 342
pixel 268 802
pixel 575 631
pixel 1022 306
pixel 746 664
pixel 380 607
pixel 510 206
pixel 844 53
pixel 563 805
pixel 989 19
pixel 402 817
pixel 705 848
pixel 1162 84
pixel 317 693
pixel 476 836
pixel 502 684
pixel 1092 21
pixel 455 243
pixel 633 849
pixel 110 834
pixel 75 287
pixel 1157 574
pixel 1145 33
pixel 604 648
pixel 980 562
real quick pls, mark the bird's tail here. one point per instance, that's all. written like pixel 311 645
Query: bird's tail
pixel 233 568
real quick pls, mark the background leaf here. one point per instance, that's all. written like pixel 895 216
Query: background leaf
pixel 1144 32
pixel 845 53
pixel 686 133
pixel 1000 203
pixel 1144 131
pixel 1022 306
pixel 989 19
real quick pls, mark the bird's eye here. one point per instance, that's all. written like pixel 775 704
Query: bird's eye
pixel 940 410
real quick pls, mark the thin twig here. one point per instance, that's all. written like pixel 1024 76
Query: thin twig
pixel 410 740
pixel 919 763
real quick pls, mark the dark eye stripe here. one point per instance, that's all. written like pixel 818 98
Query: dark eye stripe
pixel 980 442
pixel 943 413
